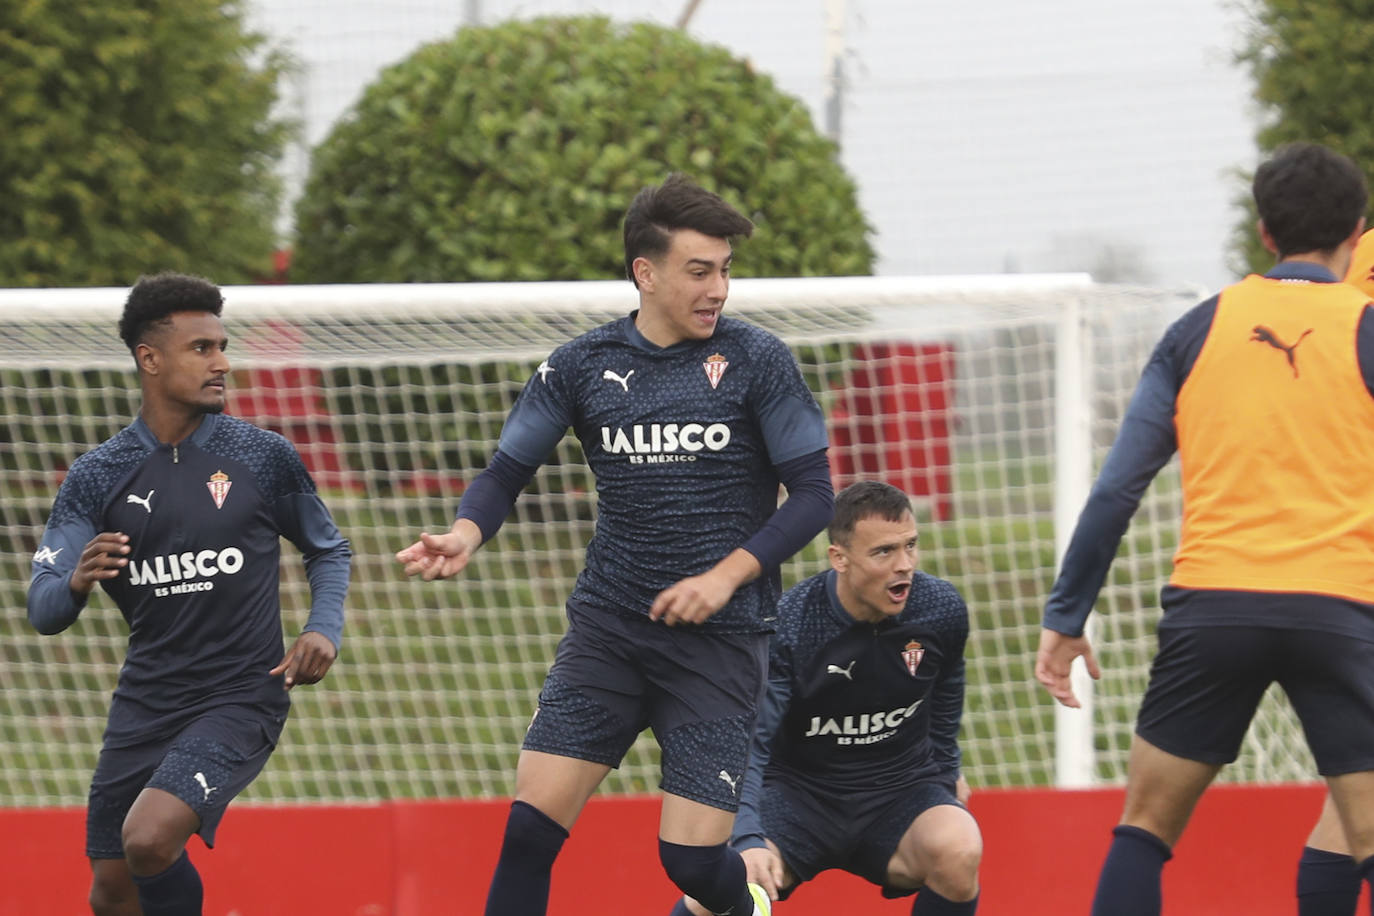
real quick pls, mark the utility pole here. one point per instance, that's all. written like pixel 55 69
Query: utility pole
pixel 834 68
pixel 687 13
pixel 472 12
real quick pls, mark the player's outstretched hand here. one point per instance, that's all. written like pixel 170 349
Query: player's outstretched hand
pixel 764 867
pixel 438 556
pixel 102 558
pixel 693 600
pixel 307 661
pixel 1054 662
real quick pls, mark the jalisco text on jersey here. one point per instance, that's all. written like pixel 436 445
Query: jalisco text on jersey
pixel 865 724
pixel 174 567
pixel 665 437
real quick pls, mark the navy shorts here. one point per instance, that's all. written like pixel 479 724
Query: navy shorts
pixel 1206 682
pixel 698 690
pixel 205 765
pixel 858 833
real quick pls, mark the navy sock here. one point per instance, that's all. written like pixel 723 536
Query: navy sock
pixel 929 903
pixel 1129 884
pixel 175 891
pixel 713 876
pixel 520 886
pixel 1328 884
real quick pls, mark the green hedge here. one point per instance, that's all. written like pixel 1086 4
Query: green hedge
pixel 511 153
pixel 136 137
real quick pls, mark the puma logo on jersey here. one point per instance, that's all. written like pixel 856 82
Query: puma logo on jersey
pixel 46 554
pixel 725 777
pixel 1261 333
pixel 144 501
pixel 624 380
pixel 544 370
pixel 847 670
pixel 204 784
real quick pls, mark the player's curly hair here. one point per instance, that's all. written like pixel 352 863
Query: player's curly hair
pixel 678 203
pixel 866 499
pixel 1310 198
pixel 154 298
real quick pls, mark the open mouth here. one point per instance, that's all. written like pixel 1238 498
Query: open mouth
pixel 898 591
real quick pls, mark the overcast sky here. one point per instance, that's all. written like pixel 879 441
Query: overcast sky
pixel 985 137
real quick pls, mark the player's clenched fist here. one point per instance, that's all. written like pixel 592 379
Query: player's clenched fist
pixel 438 556
pixel 307 661
pixel 102 558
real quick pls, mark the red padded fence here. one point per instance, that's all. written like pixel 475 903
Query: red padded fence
pixel 1042 852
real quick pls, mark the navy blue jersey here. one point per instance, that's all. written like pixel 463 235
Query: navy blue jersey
pixel 858 707
pixel 684 442
pixel 200 592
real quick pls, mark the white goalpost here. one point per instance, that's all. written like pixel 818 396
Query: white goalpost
pixel 991 400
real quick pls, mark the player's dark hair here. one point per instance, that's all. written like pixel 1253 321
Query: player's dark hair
pixel 678 203
pixel 1310 198
pixel 862 500
pixel 154 298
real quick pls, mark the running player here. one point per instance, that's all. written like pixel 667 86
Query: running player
pixel 689 420
pixel 179 517
pixel 1267 392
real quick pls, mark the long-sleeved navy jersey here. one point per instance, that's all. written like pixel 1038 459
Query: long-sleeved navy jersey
pixel 200 592
pixel 858 707
pixel 684 442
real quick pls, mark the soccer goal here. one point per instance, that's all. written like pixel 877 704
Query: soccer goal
pixel 991 400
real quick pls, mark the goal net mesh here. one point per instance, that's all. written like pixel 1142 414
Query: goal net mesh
pixel 395 397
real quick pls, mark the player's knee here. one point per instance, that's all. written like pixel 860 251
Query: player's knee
pixel 953 871
pixel 712 875
pixel 148 849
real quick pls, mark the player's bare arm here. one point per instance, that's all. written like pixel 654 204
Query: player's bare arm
pixel 696 598
pixel 307 661
pixel 102 558
pixel 440 556
pixel 1054 661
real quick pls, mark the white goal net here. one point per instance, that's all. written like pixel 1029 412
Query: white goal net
pixel 990 399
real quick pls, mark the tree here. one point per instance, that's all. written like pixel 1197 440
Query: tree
pixel 134 137
pixel 510 153
pixel 1313 65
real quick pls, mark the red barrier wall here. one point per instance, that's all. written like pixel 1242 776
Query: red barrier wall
pixel 1042 852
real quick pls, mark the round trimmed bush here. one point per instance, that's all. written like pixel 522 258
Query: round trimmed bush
pixel 511 152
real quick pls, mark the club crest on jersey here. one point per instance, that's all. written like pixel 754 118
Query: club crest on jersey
pixel 219 484
pixel 912 653
pixel 715 367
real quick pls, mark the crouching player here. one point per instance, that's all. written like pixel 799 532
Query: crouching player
pixel 855 762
